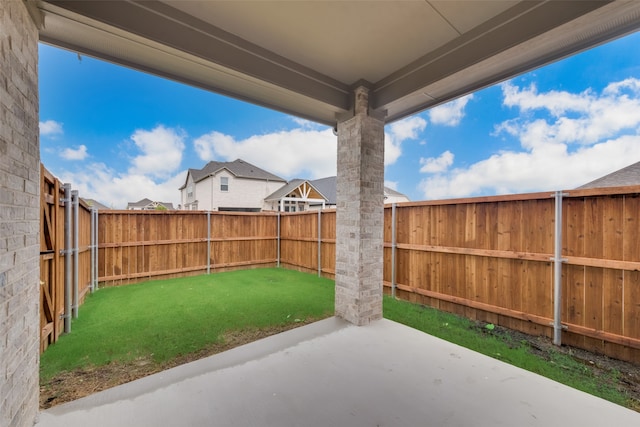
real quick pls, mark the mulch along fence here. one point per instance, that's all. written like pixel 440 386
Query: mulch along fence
pixel 489 258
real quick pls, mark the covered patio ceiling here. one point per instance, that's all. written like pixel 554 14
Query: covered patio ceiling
pixel 306 57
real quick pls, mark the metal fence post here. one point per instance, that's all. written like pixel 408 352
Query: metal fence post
pixel 208 242
pixel 67 257
pixel 319 242
pixel 94 249
pixel 95 277
pixel 92 245
pixel 393 250
pixel 76 207
pixel 557 271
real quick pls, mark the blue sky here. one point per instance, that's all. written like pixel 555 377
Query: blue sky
pixel 118 135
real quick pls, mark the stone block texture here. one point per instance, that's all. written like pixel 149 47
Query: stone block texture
pixel 19 216
pixel 360 215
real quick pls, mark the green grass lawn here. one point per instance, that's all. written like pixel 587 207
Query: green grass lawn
pixel 165 318
pixel 160 320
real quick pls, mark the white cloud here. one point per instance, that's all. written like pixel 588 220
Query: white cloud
pixel 408 128
pixel 399 132
pixel 294 153
pixel 557 103
pixel 50 128
pixel 451 113
pixel 566 140
pixel 307 124
pixel 584 118
pixel 78 154
pixel 98 181
pixel 309 151
pixel 160 151
pixel 437 164
pixel 152 172
pixel 552 168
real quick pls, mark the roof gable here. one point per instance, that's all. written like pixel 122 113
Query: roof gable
pixel 292 186
pixel 325 186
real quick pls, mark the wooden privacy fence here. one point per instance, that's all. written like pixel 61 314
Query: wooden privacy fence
pixel 490 258
pixel 493 259
pixel 137 245
pixel 308 241
pixel 65 256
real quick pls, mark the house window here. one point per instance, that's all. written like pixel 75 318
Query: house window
pixel 290 206
pixel 224 183
pixel 190 191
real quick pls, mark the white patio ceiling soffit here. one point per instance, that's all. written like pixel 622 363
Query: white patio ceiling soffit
pixel 305 57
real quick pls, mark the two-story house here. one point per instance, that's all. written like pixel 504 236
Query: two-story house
pixel 228 186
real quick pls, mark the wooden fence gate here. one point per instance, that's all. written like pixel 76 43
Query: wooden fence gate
pixel 51 271
pixel 53 256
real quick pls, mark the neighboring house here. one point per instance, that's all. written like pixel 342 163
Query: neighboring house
pixel 301 195
pixel 620 178
pixel 95 204
pixel 149 205
pixel 240 186
pixel 228 186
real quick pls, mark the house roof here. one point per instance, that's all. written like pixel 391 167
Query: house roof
pixel 146 202
pixel 391 192
pixel 95 204
pixel 239 168
pixel 140 203
pixel 412 55
pixel 325 186
pixel 629 175
pixel 289 187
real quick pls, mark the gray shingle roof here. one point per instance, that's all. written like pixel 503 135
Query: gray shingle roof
pixel 239 168
pixel 140 203
pixel 146 202
pixel 285 189
pixel 96 204
pixel 629 175
pixel 327 186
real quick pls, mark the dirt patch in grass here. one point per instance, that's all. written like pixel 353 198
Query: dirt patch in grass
pixel 72 385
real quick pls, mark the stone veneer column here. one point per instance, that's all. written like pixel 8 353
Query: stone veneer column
pixel 19 215
pixel 360 215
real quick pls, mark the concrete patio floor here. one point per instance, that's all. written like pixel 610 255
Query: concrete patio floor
pixel 331 373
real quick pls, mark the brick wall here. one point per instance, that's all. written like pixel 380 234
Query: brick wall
pixel 19 216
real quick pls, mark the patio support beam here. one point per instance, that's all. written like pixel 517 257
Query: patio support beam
pixel 360 214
